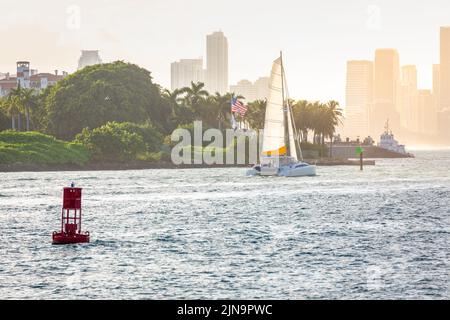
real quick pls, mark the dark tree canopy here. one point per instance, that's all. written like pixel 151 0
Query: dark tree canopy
pixel 98 94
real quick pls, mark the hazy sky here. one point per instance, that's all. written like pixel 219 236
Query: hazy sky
pixel 317 37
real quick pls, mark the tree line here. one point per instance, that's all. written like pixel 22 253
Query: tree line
pixel 123 92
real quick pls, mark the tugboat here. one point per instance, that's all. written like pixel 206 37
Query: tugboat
pixel 71 219
pixel 388 142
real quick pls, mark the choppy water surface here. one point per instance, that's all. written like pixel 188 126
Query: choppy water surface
pixel 214 233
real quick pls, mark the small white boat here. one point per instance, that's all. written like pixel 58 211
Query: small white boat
pixel 281 153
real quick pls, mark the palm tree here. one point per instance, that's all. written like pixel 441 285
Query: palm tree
pixel 302 117
pixel 13 108
pixel 222 106
pixel 172 96
pixel 334 118
pixel 256 114
pixel 28 100
pixel 195 96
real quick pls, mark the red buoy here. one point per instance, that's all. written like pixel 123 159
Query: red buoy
pixel 71 219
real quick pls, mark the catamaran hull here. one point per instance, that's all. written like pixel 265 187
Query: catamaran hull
pixel 303 171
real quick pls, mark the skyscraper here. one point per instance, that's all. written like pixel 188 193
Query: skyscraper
pixel 436 85
pixel 185 71
pixel 88 58
pixel 444 83
pixel 427 119
pixel 217 63
pixel 409 109
pixel 445 69
pixel 386 102
pixel 358 95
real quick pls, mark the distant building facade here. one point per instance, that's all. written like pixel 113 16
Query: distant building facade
pixel 409 109
pixel 259 90
pixel 262 88
pixel 359 97
pixel 89 58
pixel 42 81
pixel 28 78
pixel 426 113
pixel 7 83
pixel 217 63
pixel 444 82
pixel 436 86
pixel 244 88
pixel 185 71
pixel 23 74
pixel 386 91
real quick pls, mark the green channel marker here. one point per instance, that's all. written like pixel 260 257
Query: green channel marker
pixel 359 150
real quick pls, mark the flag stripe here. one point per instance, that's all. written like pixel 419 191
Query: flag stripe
pixel 238 106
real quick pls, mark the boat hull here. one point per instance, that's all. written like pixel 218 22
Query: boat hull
pixel 299 170
pixel 303 171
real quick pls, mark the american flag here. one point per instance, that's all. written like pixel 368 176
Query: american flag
pixel 238 106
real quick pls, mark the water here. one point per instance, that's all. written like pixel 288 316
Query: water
pixel 213 233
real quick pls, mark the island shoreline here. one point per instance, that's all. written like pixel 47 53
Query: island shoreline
pixel 149 166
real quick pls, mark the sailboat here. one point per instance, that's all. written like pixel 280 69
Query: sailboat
pixel 281 152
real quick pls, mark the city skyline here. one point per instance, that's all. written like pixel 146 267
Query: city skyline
pixel 315 57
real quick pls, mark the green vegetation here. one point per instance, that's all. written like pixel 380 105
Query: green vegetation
pixel 5 122
pixel 119 142
pixel 37 148
pixel 98 94
pixel 114 112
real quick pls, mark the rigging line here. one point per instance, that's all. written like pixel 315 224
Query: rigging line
pixel 295 133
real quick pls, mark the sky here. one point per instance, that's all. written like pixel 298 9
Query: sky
pixel 316 37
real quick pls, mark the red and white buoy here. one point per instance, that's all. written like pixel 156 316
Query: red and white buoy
pixel 71 219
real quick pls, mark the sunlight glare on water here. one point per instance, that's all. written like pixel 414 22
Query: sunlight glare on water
pixel 215 233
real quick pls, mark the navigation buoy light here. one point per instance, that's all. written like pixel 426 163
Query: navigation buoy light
pixel 71 218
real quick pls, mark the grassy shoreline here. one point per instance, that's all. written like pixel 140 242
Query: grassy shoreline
pixel 34 152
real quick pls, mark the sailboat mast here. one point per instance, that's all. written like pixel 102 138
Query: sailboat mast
pixel 285 118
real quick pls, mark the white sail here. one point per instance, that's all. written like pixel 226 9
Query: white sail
pixel 274 120
pixel 280 156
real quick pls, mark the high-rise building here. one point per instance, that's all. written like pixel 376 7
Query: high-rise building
pixel 259 90
pixel 185 71
pixel 244 88
pixel 409 109
pixel 436 85
pixel 426 113
pixel 445 69
pixel 444 83
pixel 386 103
pixel 359 96
pixel 88 58
pixel 262 88
pixel 217 63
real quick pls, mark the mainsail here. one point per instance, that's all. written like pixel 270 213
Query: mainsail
pixel 273 141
